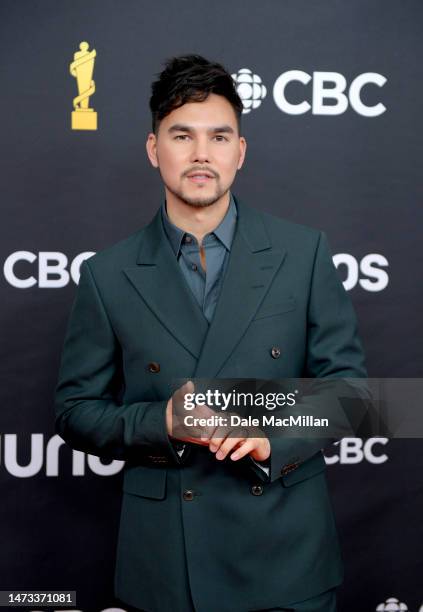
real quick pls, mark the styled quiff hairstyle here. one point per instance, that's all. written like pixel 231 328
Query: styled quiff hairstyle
pixel 191 78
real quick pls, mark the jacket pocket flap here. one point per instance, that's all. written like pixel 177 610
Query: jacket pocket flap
pixel 313 466
pixel 145 481
pixel 269 310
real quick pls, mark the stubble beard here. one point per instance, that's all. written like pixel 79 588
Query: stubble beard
pixel 199 201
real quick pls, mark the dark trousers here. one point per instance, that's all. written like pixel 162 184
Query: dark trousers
pixel 325 602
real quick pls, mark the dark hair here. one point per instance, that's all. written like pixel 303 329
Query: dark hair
pixel 191 78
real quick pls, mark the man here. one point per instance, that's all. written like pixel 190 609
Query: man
pixel 211 288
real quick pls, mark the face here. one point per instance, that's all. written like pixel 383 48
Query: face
pixel 198 151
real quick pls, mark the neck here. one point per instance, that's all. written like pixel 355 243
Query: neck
pixel 200 220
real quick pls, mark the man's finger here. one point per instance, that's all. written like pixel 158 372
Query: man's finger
pixel 229 444
pixel 244 450
pixel 218 439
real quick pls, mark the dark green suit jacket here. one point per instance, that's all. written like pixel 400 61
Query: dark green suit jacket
pixel 239 541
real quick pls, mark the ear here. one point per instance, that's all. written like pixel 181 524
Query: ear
pixel 242 151
pixel 151 146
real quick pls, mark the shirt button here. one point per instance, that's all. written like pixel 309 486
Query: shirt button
pixel 188 495
pixel 154 367
pixel 188 239
pixel 194 267
pixel 257 490
pixel 275 352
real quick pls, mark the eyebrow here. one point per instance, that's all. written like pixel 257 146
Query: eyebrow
pixel 179 127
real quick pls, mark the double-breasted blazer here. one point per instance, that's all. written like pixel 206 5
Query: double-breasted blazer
pixel 221 532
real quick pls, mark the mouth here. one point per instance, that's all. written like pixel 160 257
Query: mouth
pixel 200 177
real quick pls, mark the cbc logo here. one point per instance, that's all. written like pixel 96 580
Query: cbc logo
pixel 328 86
pixel 330 93
pixel 356 450
pixel 250 89
pixel 49 270
pixel 392 604
pixel 50 267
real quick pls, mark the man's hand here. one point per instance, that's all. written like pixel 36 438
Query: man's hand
pixel 243 439
pixel 221 443
pixel 175 413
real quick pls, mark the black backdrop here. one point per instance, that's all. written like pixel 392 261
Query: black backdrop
pixel 66 194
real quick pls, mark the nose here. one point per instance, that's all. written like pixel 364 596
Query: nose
pixel 200 152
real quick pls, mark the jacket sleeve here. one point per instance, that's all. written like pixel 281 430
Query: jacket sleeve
pixel 89 415
pixel 334 351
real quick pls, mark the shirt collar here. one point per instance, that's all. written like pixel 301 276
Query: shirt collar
pixel 224 231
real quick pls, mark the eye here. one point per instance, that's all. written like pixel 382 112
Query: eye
pixel 181 137
pixel 220 138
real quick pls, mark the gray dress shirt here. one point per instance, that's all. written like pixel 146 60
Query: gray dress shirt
pixel 204 284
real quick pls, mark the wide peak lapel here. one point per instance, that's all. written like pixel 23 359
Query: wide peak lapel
pixel 252 266
pixel 159 281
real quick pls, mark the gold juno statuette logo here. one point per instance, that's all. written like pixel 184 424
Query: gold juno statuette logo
pixel 82 68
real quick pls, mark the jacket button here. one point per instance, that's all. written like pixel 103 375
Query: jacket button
pixel 188 495
pixel 275 352
pixel 154 367
pixel 257 490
